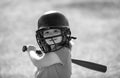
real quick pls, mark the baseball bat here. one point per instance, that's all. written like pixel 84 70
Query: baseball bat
pixel 90 65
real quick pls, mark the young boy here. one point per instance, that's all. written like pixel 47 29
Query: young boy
pixel 53 37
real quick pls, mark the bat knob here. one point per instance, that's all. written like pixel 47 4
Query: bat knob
pixel 24 48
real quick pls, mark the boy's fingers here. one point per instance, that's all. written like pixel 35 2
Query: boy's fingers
pixel 31 48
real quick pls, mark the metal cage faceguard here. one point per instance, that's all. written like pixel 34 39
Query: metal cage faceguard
pixel 65 33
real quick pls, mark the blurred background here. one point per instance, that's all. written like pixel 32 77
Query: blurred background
pixel 95 23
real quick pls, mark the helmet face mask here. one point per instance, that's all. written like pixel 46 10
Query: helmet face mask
pixel 65 34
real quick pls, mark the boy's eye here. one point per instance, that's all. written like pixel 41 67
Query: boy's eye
pixel 46 32
pixel 55 30
pixel 52 32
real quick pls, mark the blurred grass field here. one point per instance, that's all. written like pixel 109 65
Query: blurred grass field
pixel 95 23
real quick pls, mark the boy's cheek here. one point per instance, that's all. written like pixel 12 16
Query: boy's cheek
pixel 59 39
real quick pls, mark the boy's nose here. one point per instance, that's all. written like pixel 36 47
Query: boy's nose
pixel 52 39
pixel 52 34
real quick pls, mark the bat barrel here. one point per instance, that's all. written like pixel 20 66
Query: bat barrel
pixel 91 65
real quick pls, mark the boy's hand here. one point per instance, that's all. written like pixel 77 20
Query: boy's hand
pixel 35 54
pixel 31 48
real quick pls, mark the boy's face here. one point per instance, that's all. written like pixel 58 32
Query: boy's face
pixel 50 33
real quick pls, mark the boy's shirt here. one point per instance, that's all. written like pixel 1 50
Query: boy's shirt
pixel 55 64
